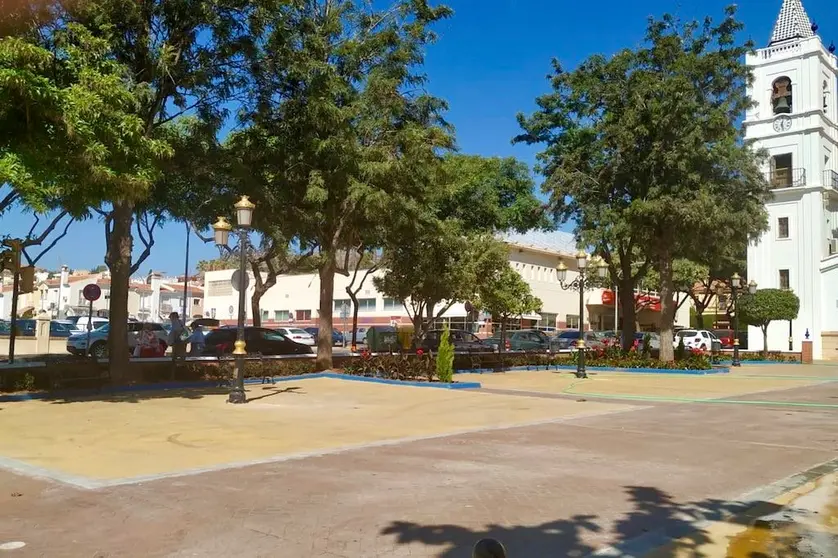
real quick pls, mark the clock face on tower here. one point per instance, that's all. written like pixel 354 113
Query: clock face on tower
pixel 782 124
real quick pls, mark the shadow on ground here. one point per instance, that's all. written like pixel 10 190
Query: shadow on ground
pixel 255 392
pixel 656 518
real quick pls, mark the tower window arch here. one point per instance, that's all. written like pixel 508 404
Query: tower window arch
pixel 825 95
pixel 781 97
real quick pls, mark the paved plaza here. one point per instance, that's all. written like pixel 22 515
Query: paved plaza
pixel 616 465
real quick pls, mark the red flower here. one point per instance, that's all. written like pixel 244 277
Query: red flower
pixel 420 352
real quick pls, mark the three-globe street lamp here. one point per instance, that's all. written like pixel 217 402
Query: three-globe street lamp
pixel 579 284
pixel 244 216
pixel 735 283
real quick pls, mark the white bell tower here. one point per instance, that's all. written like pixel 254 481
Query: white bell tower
pixel 795 121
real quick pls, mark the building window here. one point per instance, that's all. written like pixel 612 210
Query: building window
pixel 548 320
pixel 366 305
pixel 781 97
pixel 392 304
pixel 265 315
pixel 784 279
pixel 781 171
pixel 572 321
pixel 282 315
pixel 783 227
pixel 303 315
pixel 340 302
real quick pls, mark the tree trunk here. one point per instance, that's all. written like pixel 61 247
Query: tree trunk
pixel 260 287
pixel 327 295
pixel 354 299
pixel 699 317
pixel 118 258
pixel 417 327
pixel 764 341
pixel 668 307
pixel 628 312
pixel 427 323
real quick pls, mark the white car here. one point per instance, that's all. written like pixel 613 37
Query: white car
pixel 695 339
pixel 297 335
pixel 79 324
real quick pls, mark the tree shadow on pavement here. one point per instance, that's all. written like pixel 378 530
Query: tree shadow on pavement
pixel 254 393
pixel 656 519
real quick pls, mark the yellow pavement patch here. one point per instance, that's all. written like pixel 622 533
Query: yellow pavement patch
pixel 812 512
pixel 162 433
pixel 713 386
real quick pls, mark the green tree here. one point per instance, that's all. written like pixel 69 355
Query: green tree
pixel 643 151
pixel 445 357
pixel 504 294
pixel 178 57
pixel 338 122
pixel 765 306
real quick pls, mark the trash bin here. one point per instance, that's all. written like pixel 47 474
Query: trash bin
pixel 715 350
pixel 382 339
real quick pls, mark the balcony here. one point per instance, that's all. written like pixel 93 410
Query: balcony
pixel 787 178
pixel 830 179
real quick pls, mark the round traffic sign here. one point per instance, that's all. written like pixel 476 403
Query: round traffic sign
pixel 91 292
pixel 236 280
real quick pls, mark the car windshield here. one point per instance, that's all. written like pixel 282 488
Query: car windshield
pixel 298 331
pixel 103 329
pixel 274 336
pixel 569 335
pixel 687 333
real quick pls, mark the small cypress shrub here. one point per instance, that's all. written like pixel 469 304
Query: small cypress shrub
pixel 445 358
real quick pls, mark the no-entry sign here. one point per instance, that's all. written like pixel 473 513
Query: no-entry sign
pixel 91 292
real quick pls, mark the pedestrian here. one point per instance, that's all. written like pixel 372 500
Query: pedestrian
pixel 178 336
pixel 147 343
pixel 196 341
pixel 488 548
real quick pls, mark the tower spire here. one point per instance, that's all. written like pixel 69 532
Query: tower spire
pixel 792 23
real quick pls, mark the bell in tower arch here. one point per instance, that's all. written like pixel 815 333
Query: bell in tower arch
pixel 781 95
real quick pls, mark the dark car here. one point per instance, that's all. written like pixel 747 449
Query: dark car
pixel 337 337
pixel 461 339
pixel 521 340
pixel 26 328
pixel 257 340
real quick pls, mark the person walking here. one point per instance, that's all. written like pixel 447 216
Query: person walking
pixel 196 341
pixel 147 343
pixel 178 336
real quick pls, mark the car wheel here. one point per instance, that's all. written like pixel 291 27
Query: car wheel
pixel 99 350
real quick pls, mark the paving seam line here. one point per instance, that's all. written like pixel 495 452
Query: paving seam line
pixel 655 540
pixel 88 483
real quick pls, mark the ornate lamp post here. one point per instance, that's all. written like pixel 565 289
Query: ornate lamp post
pixel 244 216
pixel 579 284
pixel 735 284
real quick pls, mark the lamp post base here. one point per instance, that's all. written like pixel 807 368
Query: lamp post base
pixel 580 365
pixel 237 396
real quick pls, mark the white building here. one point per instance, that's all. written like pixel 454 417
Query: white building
pixel 295 299
pixel 796 121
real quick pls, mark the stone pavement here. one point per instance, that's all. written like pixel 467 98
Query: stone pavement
pixel 555 489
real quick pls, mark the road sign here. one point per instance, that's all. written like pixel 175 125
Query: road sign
pixel 91 292
pixel 344 311
pixel 235 280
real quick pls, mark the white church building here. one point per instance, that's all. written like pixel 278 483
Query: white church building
pixel 796 121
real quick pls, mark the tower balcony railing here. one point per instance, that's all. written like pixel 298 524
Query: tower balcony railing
pixel 830 179
pixel 787 178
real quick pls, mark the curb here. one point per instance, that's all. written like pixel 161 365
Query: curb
pixel 11 398
pixel 659 539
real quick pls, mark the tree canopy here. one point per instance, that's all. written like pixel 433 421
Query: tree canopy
pixel 768 305
pixel 643 151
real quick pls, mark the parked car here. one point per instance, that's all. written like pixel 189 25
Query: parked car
pixel 298 335
pixel 257 340
pixel 549 330
pixel 567 340
pixel 521 340
pixel 462 340
pixel 696 339
pixel 654 340
pixel 77 342
pixel 360 335
pixel 337 337
pixel 79 324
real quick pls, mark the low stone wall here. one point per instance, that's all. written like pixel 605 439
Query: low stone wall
pixel 829 344
pixel 27 346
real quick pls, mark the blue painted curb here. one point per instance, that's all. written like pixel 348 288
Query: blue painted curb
pixel 11 398
pixel 720 370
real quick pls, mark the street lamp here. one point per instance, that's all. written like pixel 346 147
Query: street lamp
pixel 221 229
pixel 736 282
pixel 579 284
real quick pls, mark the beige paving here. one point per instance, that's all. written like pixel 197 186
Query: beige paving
pixel 104 439
pixel 650 385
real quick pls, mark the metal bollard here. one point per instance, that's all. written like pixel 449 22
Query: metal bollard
pixel 488 548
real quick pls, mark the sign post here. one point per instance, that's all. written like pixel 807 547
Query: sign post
pixel 91 293
pixel 344 314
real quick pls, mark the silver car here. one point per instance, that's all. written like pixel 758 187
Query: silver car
pixel 77 344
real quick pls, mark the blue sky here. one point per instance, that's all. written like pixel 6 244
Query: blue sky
pixel 490 63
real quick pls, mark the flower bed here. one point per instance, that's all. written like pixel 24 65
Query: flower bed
pixel 772 356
